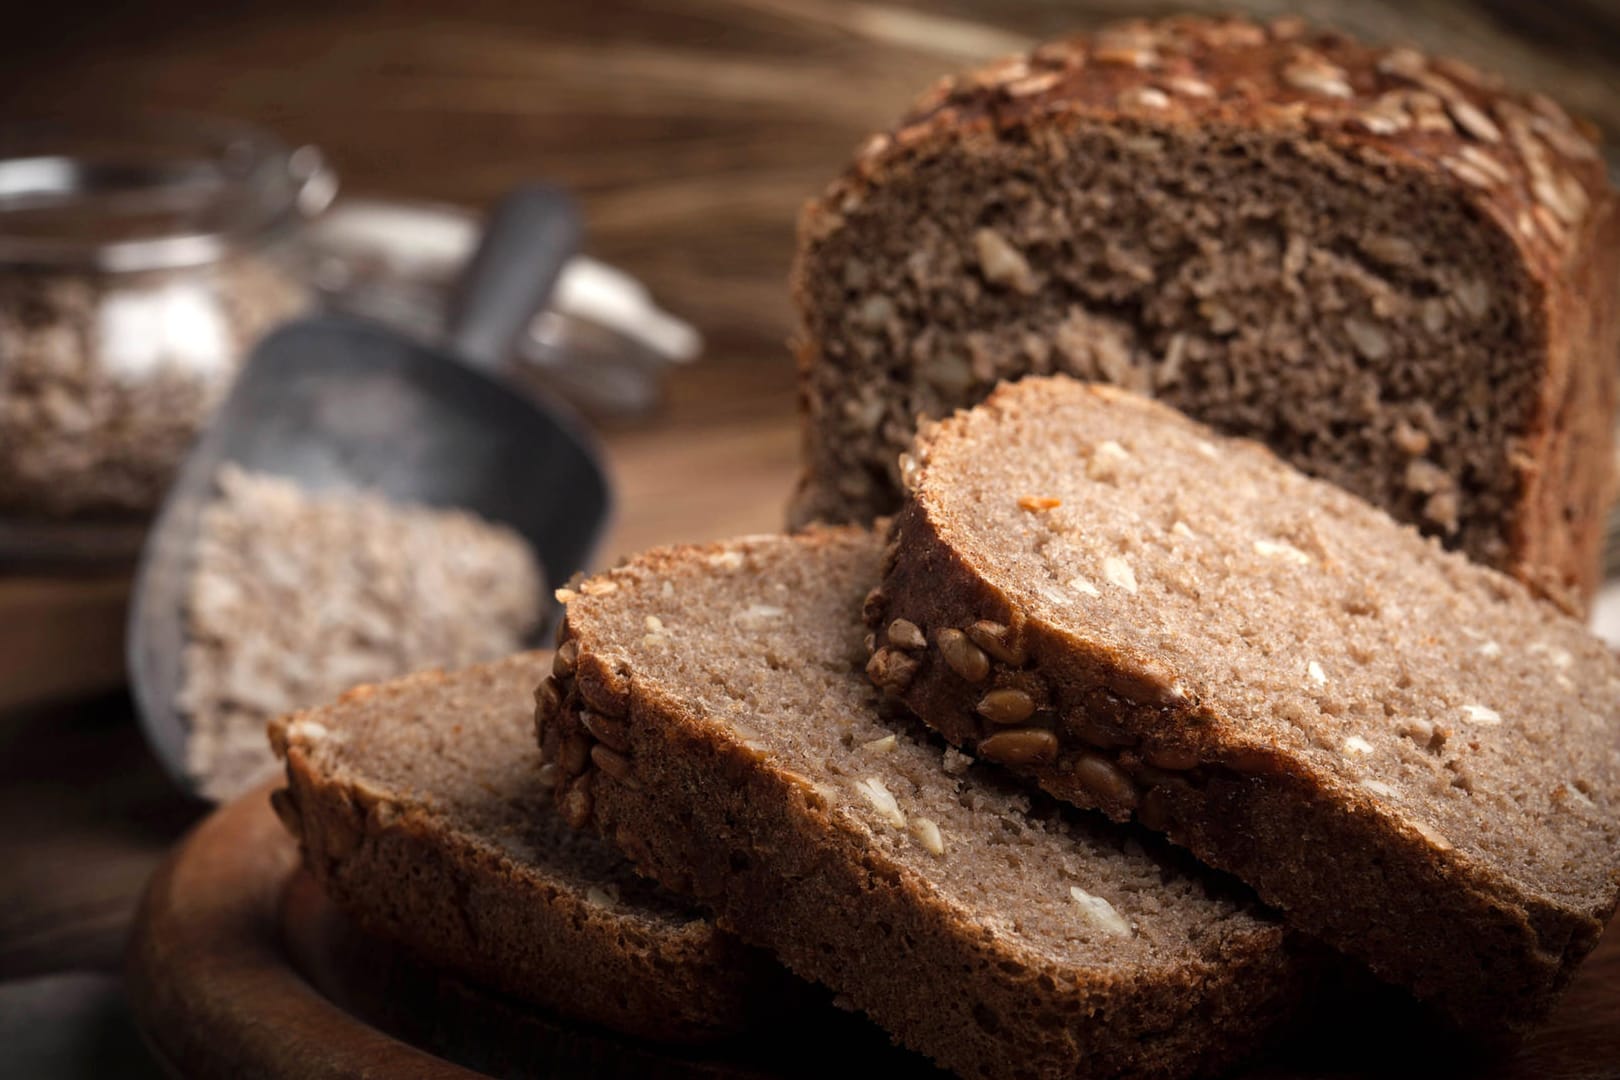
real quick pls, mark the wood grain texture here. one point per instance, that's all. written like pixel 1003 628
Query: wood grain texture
pixel 60 636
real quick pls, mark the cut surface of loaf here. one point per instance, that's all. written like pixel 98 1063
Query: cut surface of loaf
pixel 710 717
pixel 1392 270
pixel 422 810
pixel 1408 753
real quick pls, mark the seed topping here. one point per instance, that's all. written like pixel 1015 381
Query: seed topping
pixel 1118 573
pixel 928 835
pixel 995 639
pixel 882 801
pixel 1144 97
pixel 564 659
pixel 965 658
pixel 1006 706
pixel 1280 549
pixel 1106 782
pixel 881 745
pixel 1022 746
pixel 905 634
pixel 1002 263
pixel 1100 913
pixel 1083 586
pixel 892 669
pixel 1316 75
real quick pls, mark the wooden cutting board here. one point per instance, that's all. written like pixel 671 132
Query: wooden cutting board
pixel 238 966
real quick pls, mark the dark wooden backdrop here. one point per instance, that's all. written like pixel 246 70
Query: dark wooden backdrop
pixel 693 129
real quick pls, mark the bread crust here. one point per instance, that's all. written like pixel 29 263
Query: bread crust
pixel 1547 197
pixel 706 815
pixel 457 899
pixel 1489 951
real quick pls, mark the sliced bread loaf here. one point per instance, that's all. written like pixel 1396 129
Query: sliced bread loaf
pixel 1407 752
pixel 1388 267
pixel 421 809
pixel 709 714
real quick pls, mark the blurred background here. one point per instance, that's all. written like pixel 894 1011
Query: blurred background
pixel 690 132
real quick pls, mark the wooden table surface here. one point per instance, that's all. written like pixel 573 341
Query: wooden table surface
pixel 692 132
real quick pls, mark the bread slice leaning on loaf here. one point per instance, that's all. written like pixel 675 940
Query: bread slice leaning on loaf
pixel 1406 752
pixel 710 717
pixel 422 811
pixel 1390 268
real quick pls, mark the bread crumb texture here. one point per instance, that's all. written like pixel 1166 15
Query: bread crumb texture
pixel 1290 620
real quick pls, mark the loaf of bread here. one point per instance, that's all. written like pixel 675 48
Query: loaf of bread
pixel 424 814
pixel 1408 753
pixel 1397 273
pixel 710 716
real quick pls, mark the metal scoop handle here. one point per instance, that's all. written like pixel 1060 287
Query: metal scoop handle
pixel 528 238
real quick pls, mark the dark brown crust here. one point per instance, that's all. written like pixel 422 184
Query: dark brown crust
pixel 706 816
pixel 467 907
pixel 1558 542
pixel 1563 460
pixel 1460 935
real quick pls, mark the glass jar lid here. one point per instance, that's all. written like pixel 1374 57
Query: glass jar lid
pixel 149 194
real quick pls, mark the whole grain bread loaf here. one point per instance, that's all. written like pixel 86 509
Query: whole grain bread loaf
pixel 424 814
pixel 710 716
pixel 1408 753
pixel 1397 273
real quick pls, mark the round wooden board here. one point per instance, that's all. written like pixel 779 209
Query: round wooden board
pixel 239 967
pixel 210 983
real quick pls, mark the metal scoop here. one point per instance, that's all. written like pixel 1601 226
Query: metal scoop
pixel 339 403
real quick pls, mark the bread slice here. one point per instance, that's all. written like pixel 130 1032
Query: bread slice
pixel 421 811
pixel 1406 752
pixel 711 717
pixel 1391 269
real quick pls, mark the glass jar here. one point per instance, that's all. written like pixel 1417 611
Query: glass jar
pixel 139 263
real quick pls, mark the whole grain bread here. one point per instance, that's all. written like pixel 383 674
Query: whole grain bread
pixel 1394 271
pixel 1406 752
pixel 710 717
pixel 422 810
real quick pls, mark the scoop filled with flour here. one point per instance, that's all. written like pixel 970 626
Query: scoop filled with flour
pixel 297 596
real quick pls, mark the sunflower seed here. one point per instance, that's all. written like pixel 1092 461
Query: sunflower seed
pixel 882 801
pixel 928 835
pixel 1023 746
pixel 993 638
pixel 1118 573
pixel 905 634
pixel 1006 706
pixel 1100 913
pixel 1472 119
pixel 963 657
pixel 1106 782
pixel 1316 76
